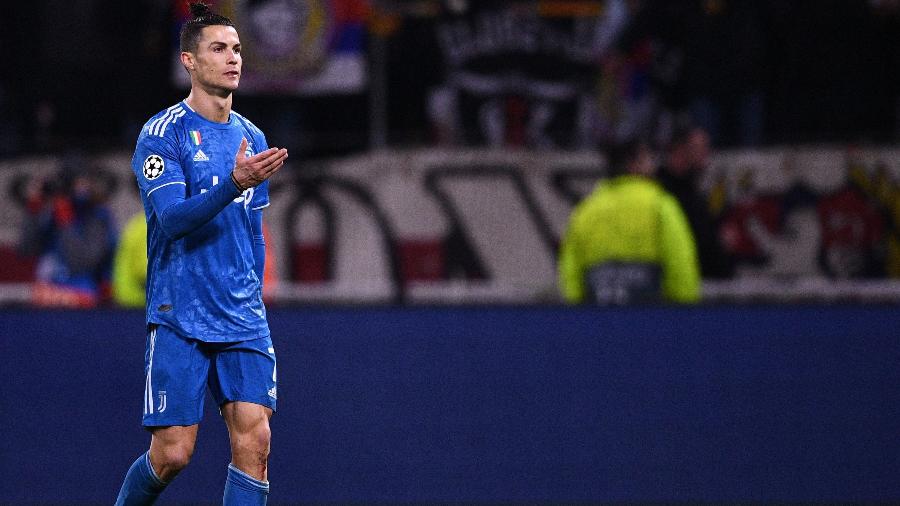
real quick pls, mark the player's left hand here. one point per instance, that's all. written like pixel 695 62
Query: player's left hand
pixel 251 171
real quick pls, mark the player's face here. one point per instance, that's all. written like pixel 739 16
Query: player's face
pixel 218 58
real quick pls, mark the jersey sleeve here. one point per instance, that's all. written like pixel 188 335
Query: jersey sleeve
pixel 156 163
pixel 260 197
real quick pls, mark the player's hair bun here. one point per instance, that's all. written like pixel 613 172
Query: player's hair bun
pixel 199 10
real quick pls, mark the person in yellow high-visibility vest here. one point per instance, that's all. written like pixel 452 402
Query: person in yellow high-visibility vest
pixel 129 279
pixel 629 241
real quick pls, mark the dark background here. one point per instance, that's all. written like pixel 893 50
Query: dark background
pixel 99 68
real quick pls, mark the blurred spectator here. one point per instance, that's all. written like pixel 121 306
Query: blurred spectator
pixel 686 161
pixel 628 101
pixel 71 231
pixel 639 78
pixel 629 241
pixel 129 281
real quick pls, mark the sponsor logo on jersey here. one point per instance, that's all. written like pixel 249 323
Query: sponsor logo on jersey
pixel 201 156
pixel 273 393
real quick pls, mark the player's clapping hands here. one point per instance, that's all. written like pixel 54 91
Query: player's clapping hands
pixel 251 171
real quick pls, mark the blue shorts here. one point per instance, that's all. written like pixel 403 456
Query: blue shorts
pixel 179 369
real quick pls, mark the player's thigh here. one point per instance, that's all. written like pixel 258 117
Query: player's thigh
pixel 245 372
pixel 246 417
pixel 175 383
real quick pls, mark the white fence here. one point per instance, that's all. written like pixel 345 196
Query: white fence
pixel 447 227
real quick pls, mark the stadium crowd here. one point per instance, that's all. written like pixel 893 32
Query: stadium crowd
pixel 687 75
pixel 750 72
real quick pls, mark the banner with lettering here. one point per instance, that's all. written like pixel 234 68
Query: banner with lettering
pixel 471 226
pixel 523 73
pixel 303 47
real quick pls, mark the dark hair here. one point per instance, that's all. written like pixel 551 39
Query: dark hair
pixel 620 155
pixel 202 17
pixel 682 135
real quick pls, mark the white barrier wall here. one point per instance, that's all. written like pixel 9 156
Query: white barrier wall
pixel 483 226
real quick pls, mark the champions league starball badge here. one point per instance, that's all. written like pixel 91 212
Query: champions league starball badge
pixel 154 167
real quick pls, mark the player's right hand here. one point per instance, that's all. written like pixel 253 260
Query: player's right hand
pixel 250 171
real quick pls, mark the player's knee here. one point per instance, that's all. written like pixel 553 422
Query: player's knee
pixel 176 457
pixel 255 441
pixel 260 439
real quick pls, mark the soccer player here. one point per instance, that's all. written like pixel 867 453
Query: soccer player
pixel 202 170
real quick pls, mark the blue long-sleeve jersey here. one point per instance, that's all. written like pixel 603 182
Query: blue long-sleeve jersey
pixel 204 237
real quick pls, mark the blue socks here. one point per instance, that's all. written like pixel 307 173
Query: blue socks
pixel 243 490
pixel 142 486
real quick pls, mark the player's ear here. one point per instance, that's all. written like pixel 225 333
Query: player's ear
pixel 187 59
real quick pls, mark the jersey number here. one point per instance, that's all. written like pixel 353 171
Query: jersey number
pixel 244 198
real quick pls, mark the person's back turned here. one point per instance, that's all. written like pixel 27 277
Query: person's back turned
pixel 629 242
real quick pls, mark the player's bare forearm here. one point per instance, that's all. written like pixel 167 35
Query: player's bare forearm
pixel 253 170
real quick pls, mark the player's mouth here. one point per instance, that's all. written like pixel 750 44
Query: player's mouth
pixel 233 73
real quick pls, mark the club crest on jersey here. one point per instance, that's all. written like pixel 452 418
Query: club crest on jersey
pixel 162 401
pixel 154 166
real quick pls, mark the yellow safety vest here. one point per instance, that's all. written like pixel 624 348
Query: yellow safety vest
pixel 630 220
